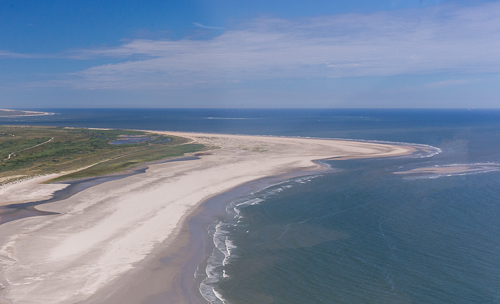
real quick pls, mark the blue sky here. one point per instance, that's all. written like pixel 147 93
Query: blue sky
pixel 225 53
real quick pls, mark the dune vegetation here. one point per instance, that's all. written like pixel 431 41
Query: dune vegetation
pixel 29 151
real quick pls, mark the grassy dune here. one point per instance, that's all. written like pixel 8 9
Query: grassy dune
pixel 28 151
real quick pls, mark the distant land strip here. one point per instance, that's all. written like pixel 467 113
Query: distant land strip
pixel 17 113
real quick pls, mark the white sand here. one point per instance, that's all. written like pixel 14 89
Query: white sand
pixel 104 231
pixel 28 190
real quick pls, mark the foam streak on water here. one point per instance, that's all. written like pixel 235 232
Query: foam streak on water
pixel 222 231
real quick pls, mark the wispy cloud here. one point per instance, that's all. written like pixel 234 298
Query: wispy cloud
pixel 448 83
pixel 431 40
pixel 7 55
pixel 208 27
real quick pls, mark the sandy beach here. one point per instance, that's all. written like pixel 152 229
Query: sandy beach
pixel 102 244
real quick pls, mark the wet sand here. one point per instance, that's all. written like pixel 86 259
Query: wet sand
pixel 174 272
pixel 129 240
pixel 16 211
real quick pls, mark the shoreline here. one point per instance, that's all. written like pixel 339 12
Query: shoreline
pixel 114 218
pixel 186 253
pixel 215 210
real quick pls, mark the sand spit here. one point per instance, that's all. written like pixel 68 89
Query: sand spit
pixel 105 231
pixel 21 113
pixel 454 169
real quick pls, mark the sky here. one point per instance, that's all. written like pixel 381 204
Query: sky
pixel 249 54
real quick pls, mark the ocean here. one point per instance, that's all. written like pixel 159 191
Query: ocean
pixel 357 233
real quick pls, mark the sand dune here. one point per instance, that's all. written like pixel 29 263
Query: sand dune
pixel 105 231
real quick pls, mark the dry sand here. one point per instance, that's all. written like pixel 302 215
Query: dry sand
pixel 104 232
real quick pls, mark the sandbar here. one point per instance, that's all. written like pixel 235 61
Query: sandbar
pixel 112 231
pixel 455 169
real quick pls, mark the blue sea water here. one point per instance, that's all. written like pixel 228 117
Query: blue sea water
pixel 358 233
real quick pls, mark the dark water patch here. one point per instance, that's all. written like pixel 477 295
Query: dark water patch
pixel 184 158
pixel 162 141
pixel 11 214
pixel 18 211
pixel 131 139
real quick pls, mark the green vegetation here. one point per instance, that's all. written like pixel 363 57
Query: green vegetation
pixel 27 151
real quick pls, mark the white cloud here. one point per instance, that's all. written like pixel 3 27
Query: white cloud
pixel 431 40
